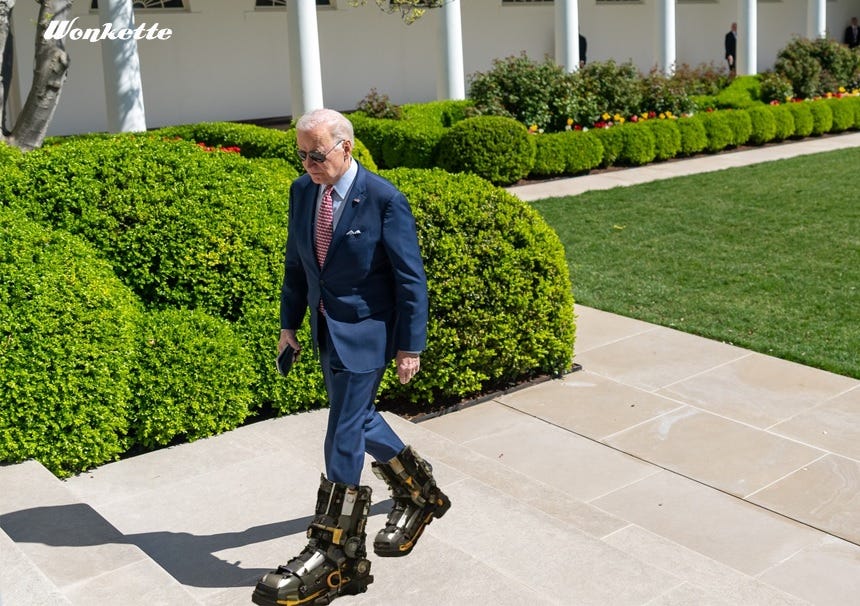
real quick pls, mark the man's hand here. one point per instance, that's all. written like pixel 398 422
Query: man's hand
pixel 408 364
pixel 288 337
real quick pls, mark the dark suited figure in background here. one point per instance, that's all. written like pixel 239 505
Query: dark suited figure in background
pixel 583 48
pixel 352 259
pixel 852 34
pixel 731 49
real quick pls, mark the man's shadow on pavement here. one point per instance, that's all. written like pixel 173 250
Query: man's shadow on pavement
pixel 186 557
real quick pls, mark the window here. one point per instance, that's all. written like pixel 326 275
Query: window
pixel 150 4
pixel 283 3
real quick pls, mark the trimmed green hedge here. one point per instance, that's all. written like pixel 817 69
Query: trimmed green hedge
pixel 612 140
pixel 822 118
pixel 640 145
pixel 493 147
pixel 783 121
pixel 667 138
pixel 803 121
pixel 496 277
pixel 694 137
pixel 741 125
pixel 192 379
pixel 718 128
pixel 550 155
pixel 253 141
pixel 68 328
pixel 583 151
pixel 763 125
pixel 496 272
pixel 182 227
pixel 843 114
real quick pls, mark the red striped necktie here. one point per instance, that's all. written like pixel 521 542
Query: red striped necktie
pixel 322 237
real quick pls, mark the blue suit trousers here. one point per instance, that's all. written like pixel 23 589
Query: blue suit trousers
pixel 354 424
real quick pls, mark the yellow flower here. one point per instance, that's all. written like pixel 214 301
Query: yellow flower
pixel 841 89
pixel 617 118
pixel 606 116
pixel 570 121
pixel 669 114
pixel 662 116
pixel 533 128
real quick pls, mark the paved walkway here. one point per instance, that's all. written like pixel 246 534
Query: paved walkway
pixel 671 470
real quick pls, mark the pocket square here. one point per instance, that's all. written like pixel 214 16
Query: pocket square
pixel 354 232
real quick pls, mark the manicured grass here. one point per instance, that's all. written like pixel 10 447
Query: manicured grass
pixel 766 257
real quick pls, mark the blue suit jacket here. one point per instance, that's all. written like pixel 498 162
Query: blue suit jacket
pixel 372 283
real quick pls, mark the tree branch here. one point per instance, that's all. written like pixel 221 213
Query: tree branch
pixel 6 7
pixel 49 74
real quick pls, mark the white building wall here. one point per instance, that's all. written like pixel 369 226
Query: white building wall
pixel 227 61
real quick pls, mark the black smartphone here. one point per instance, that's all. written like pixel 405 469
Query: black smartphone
pixel 285 360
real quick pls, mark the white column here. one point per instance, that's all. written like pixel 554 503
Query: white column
pixel 567 34
pixel 451 80
pixel 747 59
pixel 666 36
pixel 304 48
pixel 817 19
pixel 121 67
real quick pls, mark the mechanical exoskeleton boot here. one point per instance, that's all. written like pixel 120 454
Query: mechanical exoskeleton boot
pixel 417 500
pixel 335 560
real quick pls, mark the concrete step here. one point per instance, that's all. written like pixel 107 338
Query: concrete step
pixel 22 583
pixel 67 545
pixel 200 522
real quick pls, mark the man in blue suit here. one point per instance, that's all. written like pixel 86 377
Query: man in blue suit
pixel 352 259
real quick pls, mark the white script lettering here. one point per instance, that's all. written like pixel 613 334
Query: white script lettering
pixel 57 30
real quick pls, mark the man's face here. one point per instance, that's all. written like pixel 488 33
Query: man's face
pixel 319 142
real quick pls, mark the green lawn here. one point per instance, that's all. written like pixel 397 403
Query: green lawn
pixel 766 257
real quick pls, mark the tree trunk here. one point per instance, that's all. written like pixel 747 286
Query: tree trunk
pixel 49 74
pixel 6 44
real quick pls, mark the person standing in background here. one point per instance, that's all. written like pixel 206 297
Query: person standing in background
pixel 852 34
pixel 731 43
pixel 583 48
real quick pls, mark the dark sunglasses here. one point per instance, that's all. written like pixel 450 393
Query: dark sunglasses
pixel 316 156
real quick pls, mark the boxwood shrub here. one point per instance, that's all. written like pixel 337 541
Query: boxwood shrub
pixel 854 103
pixel 68 330
pixel 719 130
pixel 741 125
pixel 583 151
pixel 411 145
pixel 612 140
pixel 843 114
pixel 182 227
pixel 446 112
pixel 667 138
pixel 743 92
pixel 822 118
pixel 783 121
pixel 550 155
pixel 639 145
pixel 694 137
pixel 763 125
pixel 803 121
pixel 496 148
pixel 497 276
pixel 192 378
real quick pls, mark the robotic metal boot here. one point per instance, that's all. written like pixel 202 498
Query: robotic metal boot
pixel 417 500
pixel 335 560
